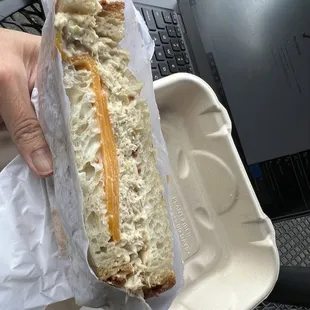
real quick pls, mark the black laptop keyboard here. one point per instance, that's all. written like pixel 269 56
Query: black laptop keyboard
pixel 171 53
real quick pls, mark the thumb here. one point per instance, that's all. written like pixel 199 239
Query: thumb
pixel 21 122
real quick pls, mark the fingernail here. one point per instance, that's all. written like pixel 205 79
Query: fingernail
pixel 42 161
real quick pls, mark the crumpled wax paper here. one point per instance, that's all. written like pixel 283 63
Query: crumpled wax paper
pixel 35 272
pixel 32 272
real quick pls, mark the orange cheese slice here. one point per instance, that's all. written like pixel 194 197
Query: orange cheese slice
pixel 108 145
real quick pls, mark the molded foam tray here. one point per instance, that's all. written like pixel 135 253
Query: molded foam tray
pixel 229 249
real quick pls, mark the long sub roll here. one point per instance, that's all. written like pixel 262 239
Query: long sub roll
pixel 125 215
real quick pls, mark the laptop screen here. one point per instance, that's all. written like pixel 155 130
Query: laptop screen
pixel 260 54
pixel 263 60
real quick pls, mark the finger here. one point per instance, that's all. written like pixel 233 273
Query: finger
pixel 21 122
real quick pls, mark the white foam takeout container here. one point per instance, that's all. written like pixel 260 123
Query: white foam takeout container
pixel 228 243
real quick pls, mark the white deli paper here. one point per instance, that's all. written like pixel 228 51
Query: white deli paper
pixel 33 272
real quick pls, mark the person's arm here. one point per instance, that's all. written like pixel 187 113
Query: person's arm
pixel 18 66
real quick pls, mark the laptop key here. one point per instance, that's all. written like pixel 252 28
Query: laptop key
pixel 168 51
pixel 182 69
pixel 149 19
pixel 182 45
pixel 155 38
pixel 159 19
pixel 171 31
pixel 186 58
pixel 164 69
pixel 163 37
pixel 174 18
pixel 178 32
pixel 156 75
pixel 175 45
pixel 189 69
pixel 159 53
pixel 173 66
pixel 153 63
pixel 216 78
pixel 180 59
pixel 167 17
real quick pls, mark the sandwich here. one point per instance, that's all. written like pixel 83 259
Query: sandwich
pixel 125 215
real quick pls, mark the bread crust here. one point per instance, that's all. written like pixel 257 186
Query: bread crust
pixel 166 284
pixel 148 291
pixel 112 7
pixel 113 10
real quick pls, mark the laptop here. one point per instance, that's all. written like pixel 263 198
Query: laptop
pixel 255 55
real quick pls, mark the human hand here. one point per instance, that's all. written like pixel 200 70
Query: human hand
pixel 18 68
